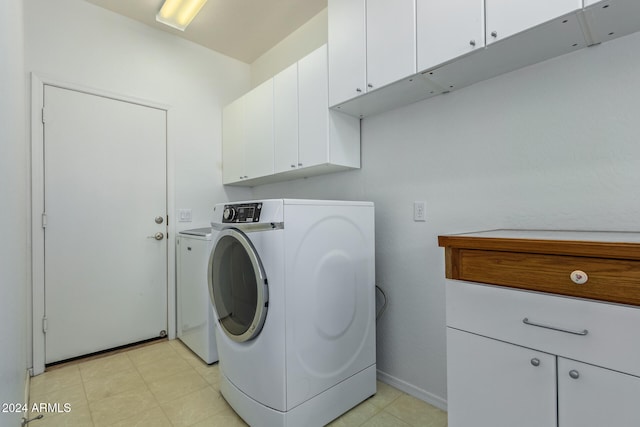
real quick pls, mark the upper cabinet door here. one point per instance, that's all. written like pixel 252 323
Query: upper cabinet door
pixel 448 29
pixel 313 109
pixel 233 140
pixel 507 17
pixel 347 50
pixel 391 41
pixel 259 131
pixel 285 101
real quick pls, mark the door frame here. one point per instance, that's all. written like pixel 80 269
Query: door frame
pixel 38 82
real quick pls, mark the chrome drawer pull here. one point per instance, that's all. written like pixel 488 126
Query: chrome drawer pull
pixel 553 328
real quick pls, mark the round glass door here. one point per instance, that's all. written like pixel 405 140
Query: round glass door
pixel 237 285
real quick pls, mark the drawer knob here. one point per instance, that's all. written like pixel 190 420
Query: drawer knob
pixel 579 277
pixel 535 361
pixel 574 374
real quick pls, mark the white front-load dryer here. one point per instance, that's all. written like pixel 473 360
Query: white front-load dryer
pixel 292 283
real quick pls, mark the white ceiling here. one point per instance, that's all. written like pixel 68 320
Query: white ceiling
pixel 242 29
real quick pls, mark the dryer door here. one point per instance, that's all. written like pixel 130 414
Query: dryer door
pixel 237 285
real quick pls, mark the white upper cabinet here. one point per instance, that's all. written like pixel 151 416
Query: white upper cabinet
pixel 391 41
pixel 347 50
pixel 285 89
pixel 283 129
pixel 505 18
pixel 314 108
pixel 447 30
pixel 329 140
pixel 233 141
pixel 259 131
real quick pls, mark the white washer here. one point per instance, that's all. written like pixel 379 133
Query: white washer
pixel 196 321
pixel 292 283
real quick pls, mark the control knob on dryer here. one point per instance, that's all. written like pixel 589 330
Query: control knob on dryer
pixel 229 213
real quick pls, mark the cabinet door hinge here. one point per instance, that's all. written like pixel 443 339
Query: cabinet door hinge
pixel 44 220
pixel 44 115
pixel 45 324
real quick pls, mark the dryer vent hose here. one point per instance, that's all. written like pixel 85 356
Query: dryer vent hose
pixel 384 302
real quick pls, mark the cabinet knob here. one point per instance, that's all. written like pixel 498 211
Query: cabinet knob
pixel 574 374
pixel 293 166
pixel 369 85
pixel 358 90
pixel 299 164
pixel 472 42
pixel 535 361
pixel 494 34
pixel 579 277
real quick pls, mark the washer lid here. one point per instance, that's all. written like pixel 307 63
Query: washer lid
pixel 202 232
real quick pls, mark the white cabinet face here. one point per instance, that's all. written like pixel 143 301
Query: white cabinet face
pixel 313 109
pixel 590 396
pixel 233 141
pixel 492 383
pixel 259 131
pixel 507 17
pixel 391 41
pixel 285 101
pixel 347 50
pixel 448 29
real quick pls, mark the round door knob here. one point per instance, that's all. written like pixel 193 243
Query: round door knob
pixel 535 361
pixel 159 220
pixel 158 236
pixel 494 34
pixel 574 374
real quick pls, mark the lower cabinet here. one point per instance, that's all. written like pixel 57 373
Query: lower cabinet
pixel 590 396
pixel 497 384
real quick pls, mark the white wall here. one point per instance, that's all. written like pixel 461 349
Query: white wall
pixel 552 146
pixel 296 45
pixel 84 44
pixel 14 212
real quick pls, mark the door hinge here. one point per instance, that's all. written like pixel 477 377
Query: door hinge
pixel 44 220
pixel 45 324
pixel 44 115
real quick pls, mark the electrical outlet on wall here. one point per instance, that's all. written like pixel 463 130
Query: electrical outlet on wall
pixel 184 215
pixel 419 211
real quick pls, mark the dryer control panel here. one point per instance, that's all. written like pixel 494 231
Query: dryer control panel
pixel 244 212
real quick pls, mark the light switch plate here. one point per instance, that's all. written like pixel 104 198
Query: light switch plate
pixel 419 211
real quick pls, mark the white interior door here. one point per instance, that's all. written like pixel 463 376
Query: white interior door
pixel 105 184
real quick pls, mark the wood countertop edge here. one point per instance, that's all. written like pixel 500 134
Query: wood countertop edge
pixel 586 248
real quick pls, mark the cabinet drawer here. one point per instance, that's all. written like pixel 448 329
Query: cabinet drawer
pixel 556 324
pixel 615 280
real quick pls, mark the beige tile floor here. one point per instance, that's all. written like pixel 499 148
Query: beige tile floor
pixel 165 384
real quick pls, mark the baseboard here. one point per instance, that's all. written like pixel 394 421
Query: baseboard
pixel 414 391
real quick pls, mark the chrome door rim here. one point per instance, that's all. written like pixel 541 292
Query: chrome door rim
pixel 262 297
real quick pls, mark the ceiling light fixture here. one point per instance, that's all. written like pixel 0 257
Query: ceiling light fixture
pixel 179 13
